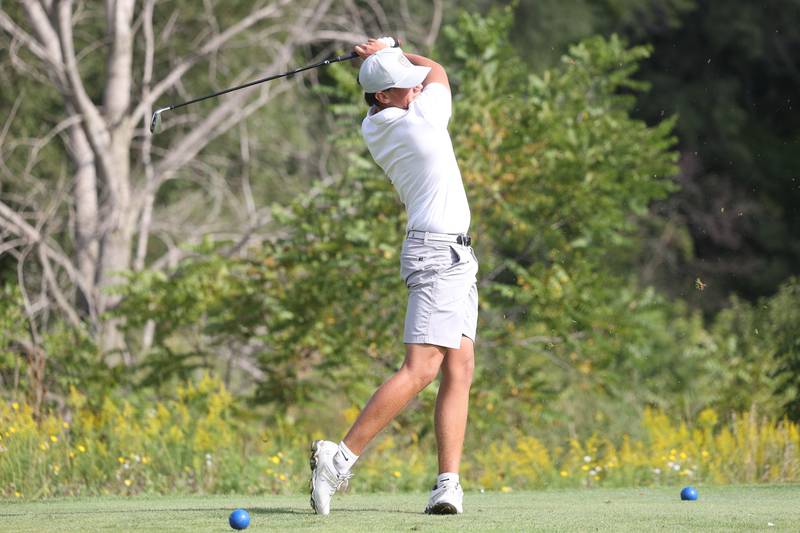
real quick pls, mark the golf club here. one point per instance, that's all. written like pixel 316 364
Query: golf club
pixel 155 121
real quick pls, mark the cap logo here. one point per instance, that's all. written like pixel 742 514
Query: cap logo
pixel 403 60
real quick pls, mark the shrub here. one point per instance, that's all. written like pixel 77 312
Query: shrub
pixel 203 441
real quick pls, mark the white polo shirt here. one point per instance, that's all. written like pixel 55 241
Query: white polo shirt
pixel 414 149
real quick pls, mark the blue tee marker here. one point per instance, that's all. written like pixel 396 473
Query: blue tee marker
pixel 689 493
pixel 239 519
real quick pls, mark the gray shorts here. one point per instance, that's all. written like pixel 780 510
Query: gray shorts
pixel 442 292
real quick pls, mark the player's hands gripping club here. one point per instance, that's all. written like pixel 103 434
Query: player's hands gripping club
pixel 368 48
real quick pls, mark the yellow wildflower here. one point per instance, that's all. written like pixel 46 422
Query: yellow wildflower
pixel 121 460
pixel 564 473
pixel 17 494
pixel 145 459
pixel 683 455
pixel 53 438
pixel 128 482
pixel 506 489
pixel 275 459
pixel 66 425
pixel 71 455
pixel 81 448
pixel 397 473
pixel 585 468
pixel 15 406
pixel 43 446
pixel 282 477
pixel 12 429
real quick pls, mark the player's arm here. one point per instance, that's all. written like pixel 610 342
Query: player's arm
pixel 437 73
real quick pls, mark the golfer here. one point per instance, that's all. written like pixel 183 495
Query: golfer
pixel 406 132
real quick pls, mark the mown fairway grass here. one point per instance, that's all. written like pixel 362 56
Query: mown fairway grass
pixel 756 508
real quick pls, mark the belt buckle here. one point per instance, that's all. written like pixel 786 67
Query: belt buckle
pixel 464 240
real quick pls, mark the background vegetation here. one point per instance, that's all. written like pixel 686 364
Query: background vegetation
pixel 632 173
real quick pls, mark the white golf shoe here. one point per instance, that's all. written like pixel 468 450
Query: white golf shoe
pixel 325 479
pixel 446 498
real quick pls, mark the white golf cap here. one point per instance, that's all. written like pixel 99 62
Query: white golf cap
pixel 387 68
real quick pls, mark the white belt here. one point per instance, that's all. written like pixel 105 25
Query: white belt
pixel 458 238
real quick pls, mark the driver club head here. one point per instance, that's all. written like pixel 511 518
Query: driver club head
pixel 155 121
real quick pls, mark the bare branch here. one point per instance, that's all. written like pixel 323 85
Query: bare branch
pixel 233 110
pixel 436 23
pixel 55 290
pixel 146 210
pixel 13 244
pixel 96 131
pixel 48 39
pixel 118 85
pixel 380 15
pixel 218 122
pixel 44 141
pixel 21 35
pixel 213 44
pixel 18 226
pixel 9 120
pixel 244 151
pixel 26 301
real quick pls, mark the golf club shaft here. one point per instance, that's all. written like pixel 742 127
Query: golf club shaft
pixel 155 120
pixel 336 59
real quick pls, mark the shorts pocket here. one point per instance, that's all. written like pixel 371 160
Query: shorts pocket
pixel 417 257
pixel 456 255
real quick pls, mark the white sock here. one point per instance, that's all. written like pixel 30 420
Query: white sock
pixel 344 459
pixel 447 478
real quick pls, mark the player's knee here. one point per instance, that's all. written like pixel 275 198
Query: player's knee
pixel 462 367
pixel 422 375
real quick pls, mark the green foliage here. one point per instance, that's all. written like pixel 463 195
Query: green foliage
pixel 11 328
pixel 544 29
pixel 201 439
pixel 782 326
pixel 72 357
pixel 759 346
pixel 558 174
pixel 194 440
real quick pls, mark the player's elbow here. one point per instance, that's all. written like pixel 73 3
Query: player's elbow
pixel 437 75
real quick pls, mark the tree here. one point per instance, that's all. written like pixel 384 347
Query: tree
pixel 727 70
pixel 96 212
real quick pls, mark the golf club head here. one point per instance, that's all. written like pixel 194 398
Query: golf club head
pixel 155 121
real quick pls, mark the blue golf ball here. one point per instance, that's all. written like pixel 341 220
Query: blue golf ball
pixel 239 519
pixel 689 493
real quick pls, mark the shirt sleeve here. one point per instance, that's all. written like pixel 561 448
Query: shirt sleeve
pixel 434 104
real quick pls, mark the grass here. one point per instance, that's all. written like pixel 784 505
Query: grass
pixel 762 507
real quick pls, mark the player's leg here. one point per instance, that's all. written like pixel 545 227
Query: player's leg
pixel 452 406
pixel 419 368
pixel 331 463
